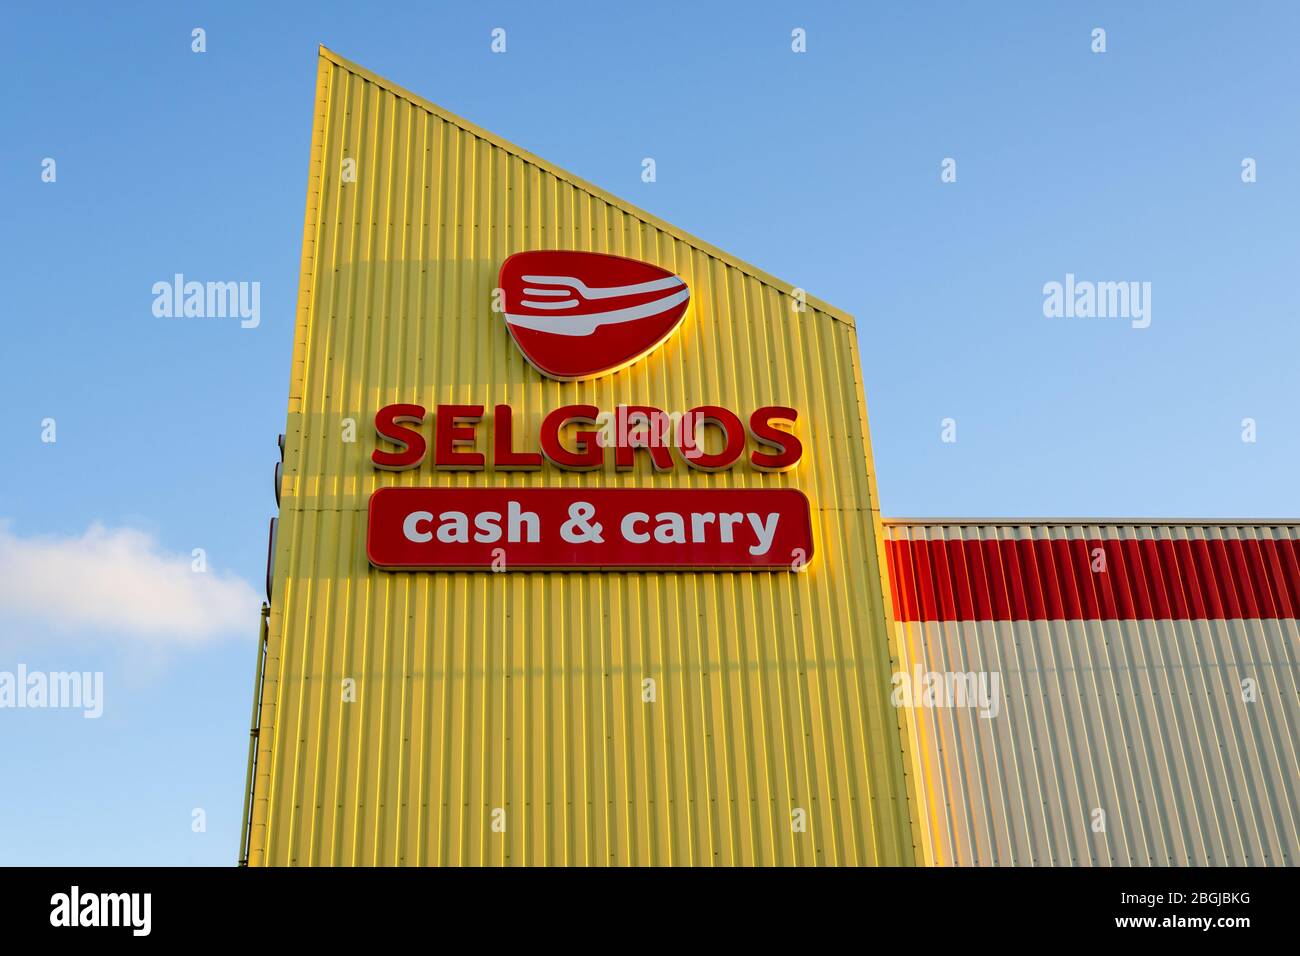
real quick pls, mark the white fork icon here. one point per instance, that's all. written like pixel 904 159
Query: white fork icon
pixel 575 293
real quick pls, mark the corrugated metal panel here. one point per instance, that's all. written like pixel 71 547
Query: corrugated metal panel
pixel 1121 652
pixel 522 691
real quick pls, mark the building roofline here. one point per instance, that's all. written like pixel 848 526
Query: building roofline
pixel 766 278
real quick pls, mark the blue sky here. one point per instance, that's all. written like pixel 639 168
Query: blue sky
pixel 822 168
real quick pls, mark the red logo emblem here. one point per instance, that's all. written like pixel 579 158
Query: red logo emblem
pixel 577 315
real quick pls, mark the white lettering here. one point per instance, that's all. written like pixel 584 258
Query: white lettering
pixel 670 529
pixel 103 909
pixel 412 532
pixel 628 527
pixel 698 521
pixel 488 525
pixel 516 519
pixel 765 531
pixel 454 528
pixel 727 522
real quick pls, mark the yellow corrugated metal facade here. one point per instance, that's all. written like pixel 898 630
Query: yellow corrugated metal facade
pixel 1147 711
pixel 522 692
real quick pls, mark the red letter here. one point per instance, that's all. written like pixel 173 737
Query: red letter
pixel 692 447
pixel 503 457
pixel 788 448
pixel 656 437
pixel 447 435
pixel 588 455
pixel 411 441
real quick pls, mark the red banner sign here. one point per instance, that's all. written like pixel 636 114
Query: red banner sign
pixel 514 529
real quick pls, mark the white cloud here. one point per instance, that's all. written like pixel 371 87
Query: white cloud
pixel 118 581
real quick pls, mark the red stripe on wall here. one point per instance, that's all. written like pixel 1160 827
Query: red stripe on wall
pixel 1090 580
